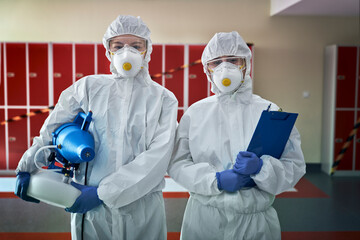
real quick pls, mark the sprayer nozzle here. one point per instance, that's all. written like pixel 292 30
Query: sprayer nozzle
pixel 85 153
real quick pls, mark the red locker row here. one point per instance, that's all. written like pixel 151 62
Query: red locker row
pixel 34 74
pixel 347 105
pixel 65 63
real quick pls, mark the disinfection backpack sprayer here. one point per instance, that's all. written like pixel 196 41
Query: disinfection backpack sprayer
pixel 73 145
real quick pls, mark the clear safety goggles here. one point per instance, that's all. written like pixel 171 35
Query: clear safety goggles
pixel 118 42
pixel 238 61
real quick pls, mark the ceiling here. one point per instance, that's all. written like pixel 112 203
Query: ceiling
pixel 316 7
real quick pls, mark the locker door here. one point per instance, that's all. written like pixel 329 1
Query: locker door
pixel 357 147
pixel 16 73
pixel 62 65
pixel 346 75
pixel 38 73
pixel 198 83
pixel 2 142
pixel 35 124
pixel 174 81
pixel 17 137
pixel 103 64
pixel 2 93
pixel 85 60
pixel 344 123
pixel 155 65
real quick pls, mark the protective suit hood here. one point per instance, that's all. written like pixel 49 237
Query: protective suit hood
pixel 123 25
pixel 229 44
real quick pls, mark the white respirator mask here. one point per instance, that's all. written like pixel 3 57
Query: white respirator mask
pixel 128 61
pixel 227 77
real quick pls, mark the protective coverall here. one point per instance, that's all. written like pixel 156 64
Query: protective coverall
pixel 210 135
pixel 134 123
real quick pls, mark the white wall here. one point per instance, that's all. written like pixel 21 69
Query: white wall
pixel 288 50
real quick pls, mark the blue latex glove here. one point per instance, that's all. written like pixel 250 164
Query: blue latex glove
pixel 248 163
pixel 231 181
pixel 87 200
pixel 21 187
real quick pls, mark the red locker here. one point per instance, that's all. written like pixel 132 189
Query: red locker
pixel 62 67
pixel 2 142
pixel 174 80
pixel 198 83
pixel 2 93
pixel 38 73
pixel 103 64
pixel 344 123
pixel 155 64
pixel 84 60
pixel 346 76
pixel 36 123
pixel 16 73
pixel 17 137
pixel 341 66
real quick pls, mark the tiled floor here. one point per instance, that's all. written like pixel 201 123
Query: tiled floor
pixel 320 207
pixel 338 212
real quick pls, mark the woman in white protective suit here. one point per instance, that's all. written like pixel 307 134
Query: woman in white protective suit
pixel 134 123
pixel 231 190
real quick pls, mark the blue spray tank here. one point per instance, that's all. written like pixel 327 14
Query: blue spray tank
pixel 73 145
pixel 73 141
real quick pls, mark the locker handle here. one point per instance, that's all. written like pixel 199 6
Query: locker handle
pixel 32 74
pixel 358 140
pixel 11 74
pixel 338 140
pixel 79 75
pixel 169 76
pixel 12 139
pixel 57 75
pixel 192 76
pixel 340 77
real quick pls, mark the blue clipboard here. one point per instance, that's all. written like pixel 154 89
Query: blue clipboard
pixel 272 133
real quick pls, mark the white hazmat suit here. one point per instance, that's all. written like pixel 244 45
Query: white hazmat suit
pixel 134 123
pixel 210 135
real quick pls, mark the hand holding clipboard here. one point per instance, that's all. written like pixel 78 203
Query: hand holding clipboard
pixel 272 133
